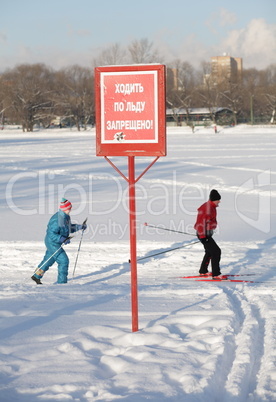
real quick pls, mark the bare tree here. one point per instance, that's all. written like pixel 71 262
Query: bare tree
pixel 259 94
pixel 112 55
pixel 142 51
pixel 3 102
pixel 28 93
pixel 270 92
pixel 75 94
pixel 208 90
pixel 181 86
pixel 232 95
pixel 271 99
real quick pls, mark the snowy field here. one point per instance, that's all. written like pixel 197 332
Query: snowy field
pixel 197 341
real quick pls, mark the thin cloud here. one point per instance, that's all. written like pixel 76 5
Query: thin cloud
pixel 256 43
pixel 25 53
pixel 78 32
pixel 222 18
pixel 191 49
pixel 226 17
pixel 3 37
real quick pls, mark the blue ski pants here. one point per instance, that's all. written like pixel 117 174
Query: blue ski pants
pixel 60 258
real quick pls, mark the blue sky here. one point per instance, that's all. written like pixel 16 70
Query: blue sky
pixel 65 32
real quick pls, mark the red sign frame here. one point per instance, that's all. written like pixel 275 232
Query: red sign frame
pixel 130 110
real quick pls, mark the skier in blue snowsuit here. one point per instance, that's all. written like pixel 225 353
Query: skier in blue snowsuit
pixel 58 229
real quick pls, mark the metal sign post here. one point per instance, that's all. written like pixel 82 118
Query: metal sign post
pixel 130 121
pixel 133 248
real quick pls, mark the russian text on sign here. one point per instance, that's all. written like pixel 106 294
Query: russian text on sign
pixel 129 125
pixel 137 107
pixel 128 89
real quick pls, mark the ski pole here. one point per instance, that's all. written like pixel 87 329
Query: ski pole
pixel 65 240
pixel 84 222
pixel 166 251
pixel 169 230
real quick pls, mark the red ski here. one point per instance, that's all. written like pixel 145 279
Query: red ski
pixel 209 274
pixel 226 279
pixel 196 276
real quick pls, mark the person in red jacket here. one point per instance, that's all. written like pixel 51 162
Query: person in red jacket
pixel 205 225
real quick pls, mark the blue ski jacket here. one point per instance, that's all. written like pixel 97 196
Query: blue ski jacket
pixel 59 226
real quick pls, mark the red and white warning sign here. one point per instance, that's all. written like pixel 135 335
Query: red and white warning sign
pixel 130 110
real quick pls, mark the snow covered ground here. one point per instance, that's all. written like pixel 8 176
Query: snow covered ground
pixel 197 341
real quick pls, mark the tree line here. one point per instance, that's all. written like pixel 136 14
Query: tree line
pixel 35 93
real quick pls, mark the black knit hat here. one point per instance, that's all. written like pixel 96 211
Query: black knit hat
pixel 214 195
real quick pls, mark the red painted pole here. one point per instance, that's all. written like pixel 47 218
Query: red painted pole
pixel 133 250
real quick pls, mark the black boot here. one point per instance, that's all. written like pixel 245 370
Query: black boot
pixel 37 280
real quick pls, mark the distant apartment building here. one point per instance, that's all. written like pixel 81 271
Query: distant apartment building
pixel 172 77
pixel 226 68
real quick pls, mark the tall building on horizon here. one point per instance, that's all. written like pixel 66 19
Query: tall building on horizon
pixel 226 68
pixel 172 77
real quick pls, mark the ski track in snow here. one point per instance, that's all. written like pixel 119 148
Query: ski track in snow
pixel 197 342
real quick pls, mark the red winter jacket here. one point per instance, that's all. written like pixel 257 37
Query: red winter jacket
pixel 206 219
